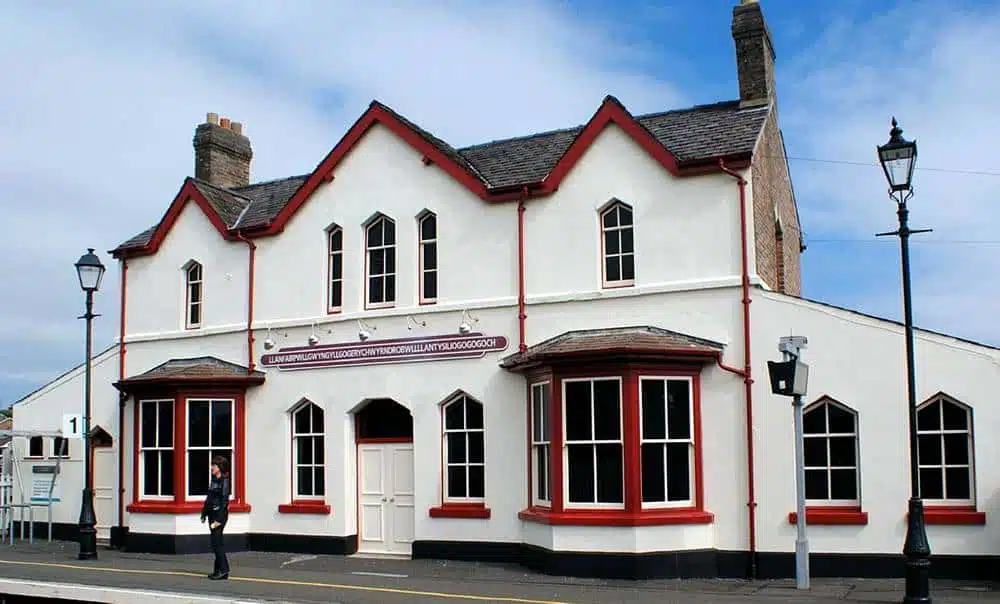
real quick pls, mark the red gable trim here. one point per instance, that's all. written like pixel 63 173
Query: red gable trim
pixel 188 192
pixel 610 112
pixel 376 114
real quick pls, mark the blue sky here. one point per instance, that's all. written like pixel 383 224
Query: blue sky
pixel 103 97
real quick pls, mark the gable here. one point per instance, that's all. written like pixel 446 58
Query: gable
pixel 685 142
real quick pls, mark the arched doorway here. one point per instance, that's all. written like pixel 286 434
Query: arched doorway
pixel 383 431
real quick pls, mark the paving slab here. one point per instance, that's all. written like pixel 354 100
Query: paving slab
pixel 259 577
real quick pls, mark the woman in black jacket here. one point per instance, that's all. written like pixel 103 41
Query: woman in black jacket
pixel 216 511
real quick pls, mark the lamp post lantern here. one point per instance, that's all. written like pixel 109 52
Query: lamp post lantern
pixel 90 271
pixel 898 157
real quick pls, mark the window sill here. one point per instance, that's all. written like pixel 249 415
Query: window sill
pixel 460 510
pixel 305 507
pixel 617 284
pixel 832 516
pixel 616 517
pixel 949 516
pixel 187 507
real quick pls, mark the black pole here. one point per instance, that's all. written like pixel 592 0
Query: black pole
pixel 916 548
pixel 88 519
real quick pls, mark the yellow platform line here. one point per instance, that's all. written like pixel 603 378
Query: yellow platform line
pixel 288 582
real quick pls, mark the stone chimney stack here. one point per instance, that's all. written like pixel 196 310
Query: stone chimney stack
pixel 222 153
pixel 754 54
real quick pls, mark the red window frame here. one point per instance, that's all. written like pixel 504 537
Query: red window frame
pixel 180 504
pixel 633 513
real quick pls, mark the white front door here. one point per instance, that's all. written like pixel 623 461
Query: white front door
pixel 104 490
pixel 385 498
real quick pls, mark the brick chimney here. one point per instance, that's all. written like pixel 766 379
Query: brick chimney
pixel 222 153
pixel 754 54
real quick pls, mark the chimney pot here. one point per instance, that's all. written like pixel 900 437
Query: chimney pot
pixel 222 155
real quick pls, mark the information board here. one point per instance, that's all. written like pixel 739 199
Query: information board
pixel 42 478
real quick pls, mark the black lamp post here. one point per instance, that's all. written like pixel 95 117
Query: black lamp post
pixel 898 157
pixel 90 271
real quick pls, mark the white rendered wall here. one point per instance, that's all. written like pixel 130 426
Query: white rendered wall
pixel 156 284
pixel 860 362
pixel 43 411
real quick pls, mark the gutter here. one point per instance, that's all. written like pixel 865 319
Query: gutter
pixel 746 373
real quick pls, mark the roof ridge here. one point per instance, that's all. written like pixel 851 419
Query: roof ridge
pixel 200 182
pixel 522 137
pixel 267 182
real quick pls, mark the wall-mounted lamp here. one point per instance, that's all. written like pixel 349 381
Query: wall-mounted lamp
pixel 465 326
pixel 411 323
pixel 313 338
pixel 365 330
pixel 269 339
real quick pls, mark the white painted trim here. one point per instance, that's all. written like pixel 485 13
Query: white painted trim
pixel 443 307
pixel 445 431
pixel 139 460
pixel 187 441
pixel 690 502
pixel 565 446
pixel 547 421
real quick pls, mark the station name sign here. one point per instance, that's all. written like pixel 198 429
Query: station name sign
pixel 382 352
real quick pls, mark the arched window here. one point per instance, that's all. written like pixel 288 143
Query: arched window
pixel 945 452
pixel 194 294
pixel 830 434
pixel 427 226
pixel 308 452
pixel 617 245
pixel 464 450
pixel 380 262
pixel 335 269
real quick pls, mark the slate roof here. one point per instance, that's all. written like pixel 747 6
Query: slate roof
pixel 203 368
pixel 638 339
pixel 696 133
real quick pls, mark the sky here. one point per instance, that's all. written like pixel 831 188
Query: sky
pixel 101 101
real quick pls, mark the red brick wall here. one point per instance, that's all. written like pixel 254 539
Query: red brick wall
pixel 777 254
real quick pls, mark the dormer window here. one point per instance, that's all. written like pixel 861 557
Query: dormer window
pixel 617 245
pixel 194 295
pixel 380 262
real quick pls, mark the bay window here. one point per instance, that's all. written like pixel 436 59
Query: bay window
pixel 541 444
pixel 156 449
pixel 593 458
pixel 617 444
pixel 210 432
pixel 666 442
pixel 176 438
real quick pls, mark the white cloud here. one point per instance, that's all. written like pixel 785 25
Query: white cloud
pixel 104 96
pixel 103 99
pixel 932 66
